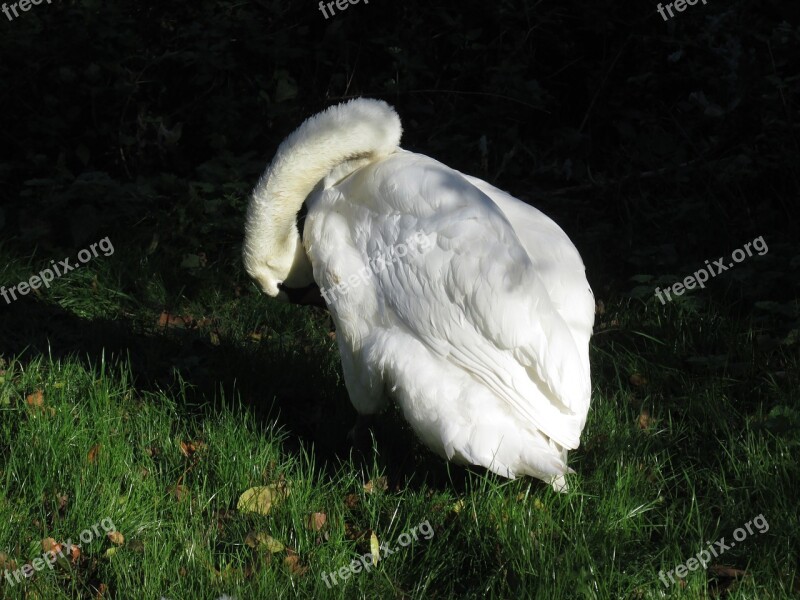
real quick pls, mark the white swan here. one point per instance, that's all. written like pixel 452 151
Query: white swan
pixel 480 331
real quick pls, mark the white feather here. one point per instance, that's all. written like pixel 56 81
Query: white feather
pixel 479 332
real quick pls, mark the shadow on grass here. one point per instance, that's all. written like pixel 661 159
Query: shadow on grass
pixel 281 386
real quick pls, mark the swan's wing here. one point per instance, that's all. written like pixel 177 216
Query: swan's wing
pixel 466 287
pixel 557 263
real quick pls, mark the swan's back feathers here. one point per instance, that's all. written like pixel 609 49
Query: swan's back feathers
pixel 475 298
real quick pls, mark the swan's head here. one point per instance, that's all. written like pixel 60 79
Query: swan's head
pixel 276 262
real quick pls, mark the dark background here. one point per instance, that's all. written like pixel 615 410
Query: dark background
pixel 655 145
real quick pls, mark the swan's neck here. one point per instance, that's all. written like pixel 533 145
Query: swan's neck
pixel 350 134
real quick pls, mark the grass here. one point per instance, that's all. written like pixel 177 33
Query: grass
pixel 157 405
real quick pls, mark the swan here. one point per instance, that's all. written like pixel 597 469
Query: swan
pixel 479 330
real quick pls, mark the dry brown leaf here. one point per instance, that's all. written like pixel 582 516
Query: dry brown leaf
pixel 101 591
pixel 379 484
pixel 49 544
pixel 75 553
pixel 638 380
pixel 116 538
pixel 35 399
pixel 644 420
pixel 351 500
pixel 166 319
pixel 7 563
pixel 91 456
pixel 190 448
pixel 180 491
pixel 292 561
pixel 316 521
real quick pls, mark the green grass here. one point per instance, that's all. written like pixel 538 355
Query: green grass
pixel 694 431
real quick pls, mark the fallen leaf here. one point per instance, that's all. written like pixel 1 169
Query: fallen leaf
pixel 91 456
pixel 116 538
pixel 644 420
pixel 292 561
pixel 261 499
pixel 316 521
pixel 189 448
pixel 374 548
pixel 180 491
pixel 101 591
pixel 166 319
pixel 261 539
pixel 351 500
pixel 35 399
pixel 378 484
pixel 638 380
pixel 6 562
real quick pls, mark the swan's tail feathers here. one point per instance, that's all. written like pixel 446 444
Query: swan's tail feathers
pixel 559 482
pixel 348 136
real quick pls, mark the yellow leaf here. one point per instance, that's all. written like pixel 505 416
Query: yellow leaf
pixel 256 540
pixel 270 543
pixel 374 548
pixel 262 498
